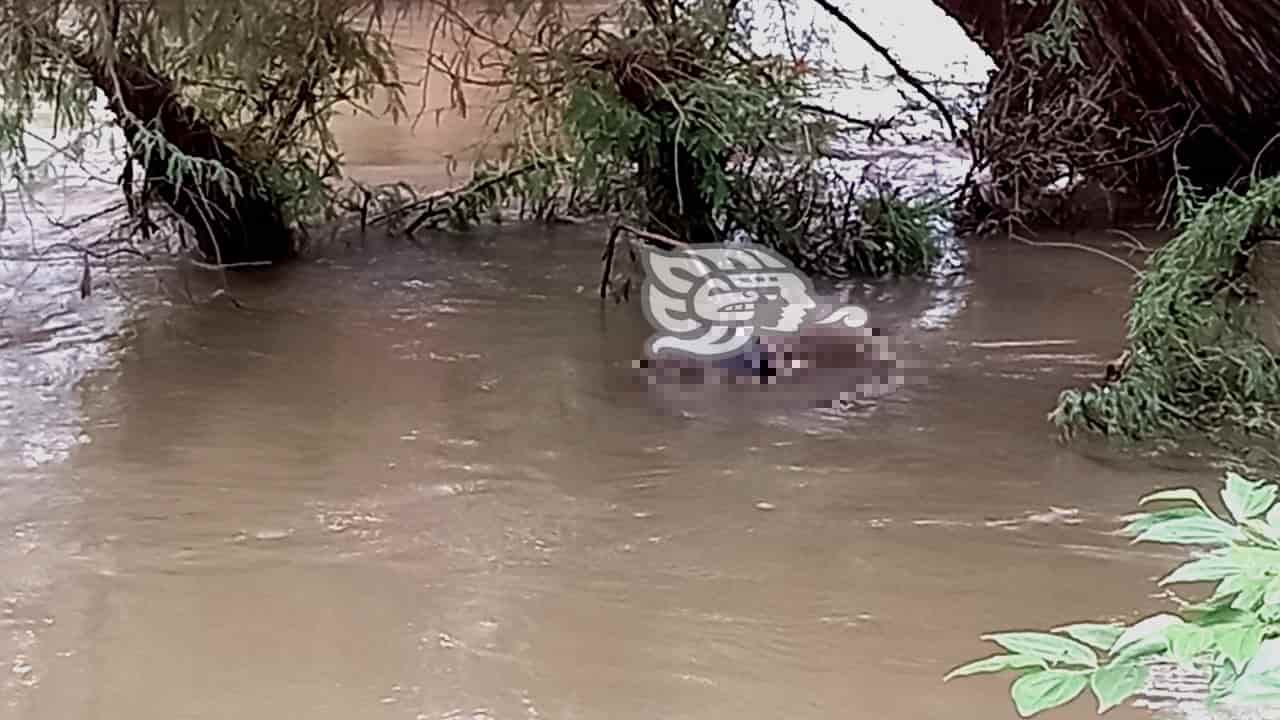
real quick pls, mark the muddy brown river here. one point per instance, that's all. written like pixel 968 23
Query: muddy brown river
pixel 421 482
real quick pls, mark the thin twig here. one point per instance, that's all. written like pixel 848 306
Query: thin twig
pixel 655 238
pixel 608 261
pixel 902 72
pixel 1078 246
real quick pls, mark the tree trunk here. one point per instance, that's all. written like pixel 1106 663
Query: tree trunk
pixel 992 24
pixel 1206 64
pixel 676 204
pixel 230 229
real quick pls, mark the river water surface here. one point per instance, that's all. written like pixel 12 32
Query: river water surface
pixel 420 481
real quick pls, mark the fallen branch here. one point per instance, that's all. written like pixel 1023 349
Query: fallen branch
pixel 608 261
pixel 452 197
pixel 610 250
pixel 228 266
pixel 1077 246
pixel 662 241
pixel 426 201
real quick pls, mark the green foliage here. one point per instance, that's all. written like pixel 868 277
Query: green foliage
pixel 1233 635
pixel 899 234
pixel 1057 39
pixel 839 229
pixel 662 112
pixel 266 75
pixel 677 89
pixel 607 131
pixel 675 120
pixel 1196 360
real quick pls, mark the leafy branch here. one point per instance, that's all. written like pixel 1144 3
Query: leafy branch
pixel 1233 636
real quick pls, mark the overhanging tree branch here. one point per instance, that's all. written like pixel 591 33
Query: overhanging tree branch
pixel 898 68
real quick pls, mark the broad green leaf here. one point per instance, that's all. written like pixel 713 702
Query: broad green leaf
pixel 1221 680
pixel 1229 586
pixel 1050 648
pixel 1157 645
pixel 995 664
pixel 1266 659
pixel 1269 614
pixel 1192 531
pixel 1245 499
pixel 1272 517
pixel 1177 495
pixel 1210 615
pixel 1251 594
pixel 1096 635
pixel 1047 689
pixel 1256 560
pixel 1139 523
pixel 1187 642
pixel 1113 684
pixel 1258 690
pixel 1259 682
pixel 1212 567
pixel 1149 629
pixel 1271 595
pixel 1261 533
pixel 1239 643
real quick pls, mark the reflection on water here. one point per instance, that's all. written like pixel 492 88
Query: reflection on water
pixel 422 482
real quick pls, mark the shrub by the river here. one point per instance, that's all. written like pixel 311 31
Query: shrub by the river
pixel 1195 360
pixel 1232 636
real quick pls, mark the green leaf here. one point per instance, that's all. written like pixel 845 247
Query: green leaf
pixel 1143 648
pixel 1228 587
pixel 1192 531
pixel 1050 648
pixel 1256 560
pixel 1177 495
pixel 1096 635
pixel 1266 659
pixel 1273 516
pixel 1271 594
pixel 1260 533
pixel 1262 689
pixel 995 664
pixel 1239 643
pixel 1187 642
pixel 1140 522
pixel 1251 594
pixel 1114 684
pixel 1206 569
pixel 1245 499
pixel 1146 637
pixel 1047 689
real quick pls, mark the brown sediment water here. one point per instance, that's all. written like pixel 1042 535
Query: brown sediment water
pixel 421 481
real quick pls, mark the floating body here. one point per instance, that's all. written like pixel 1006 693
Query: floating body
pixel 822 364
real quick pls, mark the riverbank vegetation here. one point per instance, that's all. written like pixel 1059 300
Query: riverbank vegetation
pixel 665 118
pixel 668 119
pixel 1231 638
pixel 224 106
pixel 1196 360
